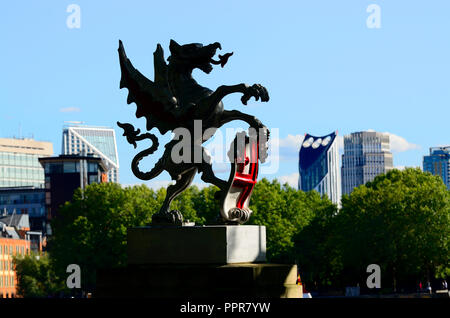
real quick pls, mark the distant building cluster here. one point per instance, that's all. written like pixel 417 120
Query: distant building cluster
pixel 366 155
pixel 34 183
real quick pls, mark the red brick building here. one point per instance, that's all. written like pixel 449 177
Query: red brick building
pixel 15 239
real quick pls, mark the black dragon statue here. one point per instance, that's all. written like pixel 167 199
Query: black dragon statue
pixel 174 100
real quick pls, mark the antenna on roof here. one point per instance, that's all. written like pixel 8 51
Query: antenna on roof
pixel 12 216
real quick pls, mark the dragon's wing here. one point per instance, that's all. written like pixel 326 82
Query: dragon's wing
pixel 154 100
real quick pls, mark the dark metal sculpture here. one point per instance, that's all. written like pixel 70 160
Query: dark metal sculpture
pixel 175 100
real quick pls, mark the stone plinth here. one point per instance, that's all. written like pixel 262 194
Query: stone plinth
pixel 221 244
pixel 201 281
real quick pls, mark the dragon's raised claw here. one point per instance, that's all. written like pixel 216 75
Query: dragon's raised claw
pixel 257 91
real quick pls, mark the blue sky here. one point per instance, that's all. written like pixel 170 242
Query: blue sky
pixel 324 68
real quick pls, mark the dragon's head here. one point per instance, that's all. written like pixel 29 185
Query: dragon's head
pixel 195 55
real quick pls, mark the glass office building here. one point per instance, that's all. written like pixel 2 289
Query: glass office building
pixel 19 165
pixel 438 163
pixel 25 200
pixel 319 166
pixel 66 173
pixel 100 141
pixel 366 155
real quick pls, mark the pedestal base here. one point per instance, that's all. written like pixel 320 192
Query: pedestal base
pixel 222 244
pixel 205 281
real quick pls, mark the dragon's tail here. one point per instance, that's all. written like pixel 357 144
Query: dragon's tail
pixel 159 166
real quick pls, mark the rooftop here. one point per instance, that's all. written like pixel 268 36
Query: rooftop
pixel 26 146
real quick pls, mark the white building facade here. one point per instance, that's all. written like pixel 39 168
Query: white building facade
pixel 366 155
pixel 100 141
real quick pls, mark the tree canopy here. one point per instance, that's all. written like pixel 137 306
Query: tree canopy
pixel 36 277
pixel 400 221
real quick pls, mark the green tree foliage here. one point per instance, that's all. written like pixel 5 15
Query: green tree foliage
pixel 91 229
pixel 36 277
pixel 400 221
pixel 315 248
pixel 284 211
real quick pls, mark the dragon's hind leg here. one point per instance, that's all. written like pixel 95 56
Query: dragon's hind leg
pixel 208 175
pixel 174 217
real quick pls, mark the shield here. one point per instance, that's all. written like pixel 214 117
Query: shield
pixel 243 155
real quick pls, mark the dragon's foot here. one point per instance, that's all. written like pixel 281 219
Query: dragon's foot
pixel 257 91
pixel 239 215
pixel 172 217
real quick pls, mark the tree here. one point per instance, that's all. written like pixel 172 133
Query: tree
pixel 91 230
pixel 318 257
pixel 400 221
pixel 206 205
pixel 284 211
pixel 36 277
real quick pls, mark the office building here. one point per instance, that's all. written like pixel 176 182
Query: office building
pixel 25 200
pixel 19 165
pixel 319 166
pixel 101 141
pixel 366 155
pixel 438 163
pixel 64 174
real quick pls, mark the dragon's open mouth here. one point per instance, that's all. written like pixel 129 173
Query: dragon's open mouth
pixel 223 59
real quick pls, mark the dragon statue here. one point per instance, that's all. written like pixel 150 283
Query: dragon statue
pixel 173 100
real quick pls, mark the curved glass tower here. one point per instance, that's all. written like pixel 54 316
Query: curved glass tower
pixel 319 166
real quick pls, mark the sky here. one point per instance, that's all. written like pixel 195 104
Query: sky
pixel 328 65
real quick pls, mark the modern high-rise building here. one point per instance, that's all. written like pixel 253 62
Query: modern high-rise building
pixel 319 166
pixel 101 141
pixel 19 165
pixel 64 174
pixel 366 155
pixel 438 163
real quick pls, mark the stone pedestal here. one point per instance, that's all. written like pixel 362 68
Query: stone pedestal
pixel 197 245
pixel 198 261
pixel 200 281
